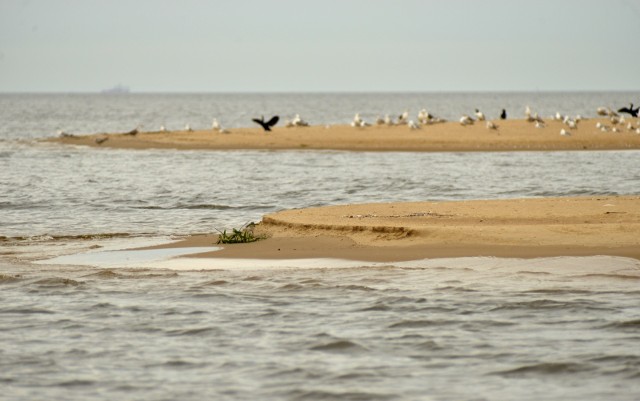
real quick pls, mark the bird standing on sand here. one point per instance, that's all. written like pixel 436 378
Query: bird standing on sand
pixel 491 125
pixel 503 115
pixel 466 120
pixel 630 110
pixel 134 131
pixel 413 125
pixel 266 125
pixel 479 115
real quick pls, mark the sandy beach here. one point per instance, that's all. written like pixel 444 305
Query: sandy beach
pixel 511 135
pixel 520 228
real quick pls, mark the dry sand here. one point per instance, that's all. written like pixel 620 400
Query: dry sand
pixel 582 226
pixel 451 136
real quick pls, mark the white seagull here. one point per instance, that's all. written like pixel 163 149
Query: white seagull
pixel 491 125
pixel 480 115
pixel 466 120
pixel 413 125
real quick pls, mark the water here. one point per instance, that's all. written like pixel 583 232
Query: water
pixel 103 323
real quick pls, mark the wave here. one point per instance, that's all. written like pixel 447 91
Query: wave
pixel 624 324
pixel 58 282
pixel 338 346
pixel 546 368
pixel 205 206
pixel 47 237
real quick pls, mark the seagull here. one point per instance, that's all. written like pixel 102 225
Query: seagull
pixel 387 120
pixel 266 125
pixel 162 128
pixel 570 123
pixel 402 118
pixel 540 124
pixel 299 122
pixel 466 120
pixel 357 121
pixel 491 125
pixel 215 125
pixel 187 128
pixel 479 115
pixel 630 110
pixel 413 125
pixel 503 115
pixel 602 111
pixel 379 121
pixel 100 141
pixel 564 132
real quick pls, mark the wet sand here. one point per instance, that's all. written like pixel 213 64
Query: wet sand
pixel 450 136
pixel 515 228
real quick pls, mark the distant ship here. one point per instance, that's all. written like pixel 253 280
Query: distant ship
pixel 116 90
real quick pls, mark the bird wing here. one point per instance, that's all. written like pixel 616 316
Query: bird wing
pixel 257 121
pixel 274 120
pixel 623 110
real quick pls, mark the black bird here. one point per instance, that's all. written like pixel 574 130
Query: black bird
pixel 503 115
pixel 266 125
pixel 633 112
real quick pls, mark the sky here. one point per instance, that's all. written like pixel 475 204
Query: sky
pixel 319 46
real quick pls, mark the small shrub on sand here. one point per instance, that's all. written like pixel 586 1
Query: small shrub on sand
pixel 239 236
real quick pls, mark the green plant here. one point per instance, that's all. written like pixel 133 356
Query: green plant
pixel 239 236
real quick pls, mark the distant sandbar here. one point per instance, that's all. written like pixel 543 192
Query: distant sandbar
pixel 511 135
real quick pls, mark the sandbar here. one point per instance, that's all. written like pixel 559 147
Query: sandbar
pixel 511 135
pixel 387 232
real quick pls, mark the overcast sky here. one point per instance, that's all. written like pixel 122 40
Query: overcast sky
pixel 324 45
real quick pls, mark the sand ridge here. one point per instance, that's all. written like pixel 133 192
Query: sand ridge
pixel 511 135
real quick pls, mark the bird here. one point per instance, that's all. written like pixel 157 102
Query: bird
pixel 479 115
pixel 402 118
pixel 297 122
pixel 503 115
pixel 358 121
pixel 540 124
pixel 266 125
pixel 564 132
pixel 215 125
pixel 63 134
pixel 413 125
pixel 163 128
pixel 134 131
pixel 466 120
pixel 630 110
pixel 188 128
pixel 491 125
pixel 100 141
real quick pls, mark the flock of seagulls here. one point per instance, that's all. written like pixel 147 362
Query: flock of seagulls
pixel 616 119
